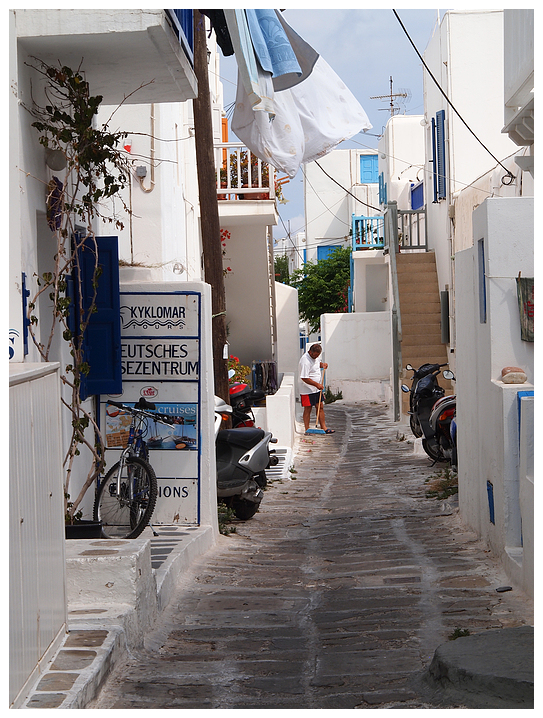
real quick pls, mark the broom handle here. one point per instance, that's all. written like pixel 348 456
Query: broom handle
pixel 320 399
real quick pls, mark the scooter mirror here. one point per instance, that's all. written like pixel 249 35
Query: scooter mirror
pixel 448 374
pixel 231 373
pixel 405 389
pixel 409 367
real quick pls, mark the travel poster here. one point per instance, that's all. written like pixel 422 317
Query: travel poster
pixel 180 435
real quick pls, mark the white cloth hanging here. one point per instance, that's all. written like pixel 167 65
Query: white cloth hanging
pixel 311 119
pixel 256 82
pixel 311 116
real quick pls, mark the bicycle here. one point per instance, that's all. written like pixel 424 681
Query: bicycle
pixel 126 498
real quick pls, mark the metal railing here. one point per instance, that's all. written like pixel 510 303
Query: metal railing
pixel 183 25
pixel 243 175
pixel 368 232
pixel 412 229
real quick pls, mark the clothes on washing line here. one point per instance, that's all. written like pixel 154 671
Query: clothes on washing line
pixel 265 376
pixel 257 83
pixel 218 23
pixel 271 44
pixel 311 115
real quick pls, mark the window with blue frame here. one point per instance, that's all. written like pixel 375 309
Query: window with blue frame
pixel 417 196
pixel 325 250
pixel 369 170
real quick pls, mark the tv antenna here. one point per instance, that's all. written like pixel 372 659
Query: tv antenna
pixel 393 109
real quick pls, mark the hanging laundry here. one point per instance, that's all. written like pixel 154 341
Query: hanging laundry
pixel 256 82
pixel 218 24
pixel 271 44
pixel 313 113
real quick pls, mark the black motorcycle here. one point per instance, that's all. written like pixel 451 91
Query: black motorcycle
pixel 242 400
pixel 430 412
pixel 243 454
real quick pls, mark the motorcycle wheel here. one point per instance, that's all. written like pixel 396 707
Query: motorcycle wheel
pixel 415 426
pixel 244 509
pixel 432 453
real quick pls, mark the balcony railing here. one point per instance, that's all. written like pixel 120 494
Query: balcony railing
pixel 182 23
pixel 368 232
pixel 242 175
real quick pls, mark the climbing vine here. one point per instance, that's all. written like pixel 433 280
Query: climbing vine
pixel 95 170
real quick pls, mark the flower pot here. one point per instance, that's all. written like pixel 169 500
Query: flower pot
pixel 84 530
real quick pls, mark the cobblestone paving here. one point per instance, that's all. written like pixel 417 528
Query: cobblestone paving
pixel 335 595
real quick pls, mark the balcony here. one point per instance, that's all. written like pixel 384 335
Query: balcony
pixel 119 50
pixel 246 187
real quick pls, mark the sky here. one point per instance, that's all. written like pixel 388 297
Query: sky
pixel 365 47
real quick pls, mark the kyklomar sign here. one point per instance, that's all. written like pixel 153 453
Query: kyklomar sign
pixel 159 337
pixel 160 360
pixel 159 314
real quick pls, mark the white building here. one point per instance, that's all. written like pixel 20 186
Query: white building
pixel 159 251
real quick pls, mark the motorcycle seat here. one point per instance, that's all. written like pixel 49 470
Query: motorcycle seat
pixel 244 436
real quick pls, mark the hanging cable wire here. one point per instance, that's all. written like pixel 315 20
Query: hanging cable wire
pixel 508 174
pixel 321 200
pixel 377 209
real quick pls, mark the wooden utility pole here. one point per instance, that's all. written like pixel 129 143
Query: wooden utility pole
pixel 209 210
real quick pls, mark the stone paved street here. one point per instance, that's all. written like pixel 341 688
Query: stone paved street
pixel 335 595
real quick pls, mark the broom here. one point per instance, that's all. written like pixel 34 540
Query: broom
pixel 315 430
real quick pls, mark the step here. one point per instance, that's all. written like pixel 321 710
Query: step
pixel 415 258
pixel 421 333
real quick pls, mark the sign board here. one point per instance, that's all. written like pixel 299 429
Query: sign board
pixel 160 359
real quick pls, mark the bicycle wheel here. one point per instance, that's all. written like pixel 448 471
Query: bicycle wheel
pixel 121 516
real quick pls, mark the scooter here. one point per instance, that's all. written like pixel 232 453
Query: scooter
pixel 242 400
pixel 430 411
pixel 242 456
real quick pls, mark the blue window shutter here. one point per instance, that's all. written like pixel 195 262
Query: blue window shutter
pixel 417 196
pixel 102 339
pixel 325 250
pixel 440 155
pixel 369 170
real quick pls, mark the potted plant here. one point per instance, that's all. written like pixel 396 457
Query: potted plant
pixel 244 177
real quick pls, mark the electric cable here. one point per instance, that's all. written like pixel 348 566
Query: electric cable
pixel 509 174
pixel 321 200
pixel 377 209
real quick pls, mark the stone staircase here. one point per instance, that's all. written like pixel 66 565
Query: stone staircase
pixel 420 310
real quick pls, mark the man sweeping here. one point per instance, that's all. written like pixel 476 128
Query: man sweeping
pixel 310 371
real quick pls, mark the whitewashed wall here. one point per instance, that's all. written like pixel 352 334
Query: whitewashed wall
pixel 488 416
pixel 37 572
pixel 401 157
pixel 465 54
pixel 357 349
pixel 247 289
pixel 288 330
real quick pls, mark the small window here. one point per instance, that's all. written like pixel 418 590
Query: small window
pixel 325 250
pixel 369 170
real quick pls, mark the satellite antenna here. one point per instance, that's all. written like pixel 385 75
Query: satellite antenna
pixel 393 109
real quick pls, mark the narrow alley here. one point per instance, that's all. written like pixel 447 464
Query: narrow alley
pixel 335 595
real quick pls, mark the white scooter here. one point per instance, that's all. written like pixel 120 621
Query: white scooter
pixel 242 455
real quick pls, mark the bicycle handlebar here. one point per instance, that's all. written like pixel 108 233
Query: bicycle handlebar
pixel 143 407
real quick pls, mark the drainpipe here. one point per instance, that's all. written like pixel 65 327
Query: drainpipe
pixel 141 172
